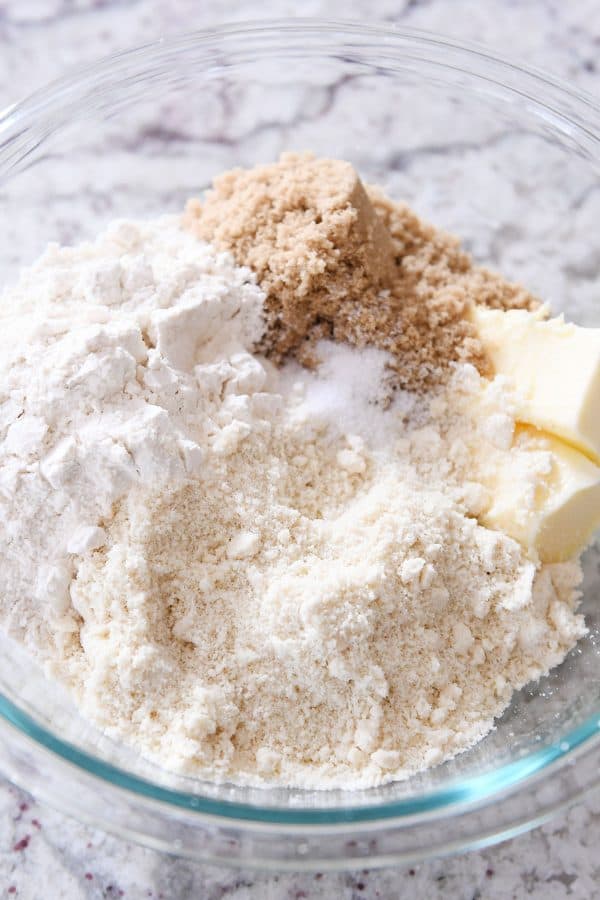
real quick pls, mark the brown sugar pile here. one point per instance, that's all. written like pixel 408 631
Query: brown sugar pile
pixel 338 260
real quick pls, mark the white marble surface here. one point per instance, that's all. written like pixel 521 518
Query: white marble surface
pixel 42 853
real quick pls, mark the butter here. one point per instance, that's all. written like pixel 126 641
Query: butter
pixel 553 512
pixel 555 367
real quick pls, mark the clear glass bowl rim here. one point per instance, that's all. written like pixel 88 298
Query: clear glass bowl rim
pixel 26 124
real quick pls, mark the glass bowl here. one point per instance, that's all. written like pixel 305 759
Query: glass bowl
pixel 504 157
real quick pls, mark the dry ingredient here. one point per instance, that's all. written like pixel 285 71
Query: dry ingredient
pixel 265 572
pixel 338 260
pixel 98 395
pixel 318 609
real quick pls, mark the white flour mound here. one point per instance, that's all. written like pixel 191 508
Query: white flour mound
pixel 91 401
pixel 251 574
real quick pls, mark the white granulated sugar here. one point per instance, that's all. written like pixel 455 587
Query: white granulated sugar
pixel 252 574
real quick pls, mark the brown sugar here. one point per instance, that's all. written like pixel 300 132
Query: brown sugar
pixel 342 261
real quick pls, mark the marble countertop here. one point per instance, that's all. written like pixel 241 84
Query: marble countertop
pixel 44 854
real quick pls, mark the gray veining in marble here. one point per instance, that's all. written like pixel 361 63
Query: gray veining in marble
pixel 46 855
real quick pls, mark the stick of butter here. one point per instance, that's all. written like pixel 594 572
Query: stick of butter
pixel 556 368
pixel 554 515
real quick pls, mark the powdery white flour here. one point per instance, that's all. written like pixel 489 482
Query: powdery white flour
pixel 251 573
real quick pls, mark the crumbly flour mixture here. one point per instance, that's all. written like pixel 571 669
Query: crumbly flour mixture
pixel 253 572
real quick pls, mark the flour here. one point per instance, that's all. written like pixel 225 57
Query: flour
pixel 320 608
pixel 91 404
pixel 250 573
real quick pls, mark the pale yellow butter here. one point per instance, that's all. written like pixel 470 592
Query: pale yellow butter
pixel 553 512
pixel 555 367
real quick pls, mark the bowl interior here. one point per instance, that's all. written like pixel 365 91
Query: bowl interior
pixel 475 147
